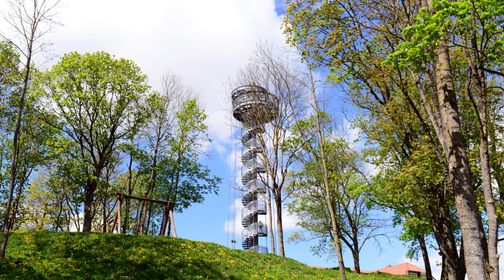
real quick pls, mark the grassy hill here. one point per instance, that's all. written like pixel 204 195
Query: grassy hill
pixel 49 255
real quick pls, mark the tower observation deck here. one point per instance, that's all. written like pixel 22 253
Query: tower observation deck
pixel 253 106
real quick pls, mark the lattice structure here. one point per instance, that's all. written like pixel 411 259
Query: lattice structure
pixel 253 106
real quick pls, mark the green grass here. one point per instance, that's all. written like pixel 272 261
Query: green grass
pixel 49 255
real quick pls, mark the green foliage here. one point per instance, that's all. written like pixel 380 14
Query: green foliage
pixel 9 63
pixel 181 176
pixel 91 98
pixel 46 255
pixel 453 18
pixel 94 100
pixel 347 189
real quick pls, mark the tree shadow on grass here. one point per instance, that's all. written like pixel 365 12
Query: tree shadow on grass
pixel 18 269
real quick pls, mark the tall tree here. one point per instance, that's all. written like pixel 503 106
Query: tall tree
pixel 180 177
pixel 468 28
pixel 161 127
pixel 481 33
pixel 354 38
pixel 185 179
pixel 28 20
pixel 353 210
pixel 94 99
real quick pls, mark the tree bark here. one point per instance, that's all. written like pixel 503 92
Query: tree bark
pixel 104 203
pixel 15 147
pixel 279 224
pixel 57 225
pixel 458 166
pixel 270 221
pixel 327 193
pixel 172 223
pixel 486 184
pixel 104 213
pixel 425 256
pixel 130 192
pixel 91 186
pixel 452 263
pixel 481 107
pixel 149 216
pixel 356 259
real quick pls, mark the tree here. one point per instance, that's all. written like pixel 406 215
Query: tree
pixel 470 26
pixel 28 21
pixel 65 180
pixel 312 136
pixel 353 210
pixel 161 126
pixel 94 100
pixel 355 38
pixel 171 168
pixel 182 178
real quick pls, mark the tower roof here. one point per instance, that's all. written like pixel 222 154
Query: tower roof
pixel 253 105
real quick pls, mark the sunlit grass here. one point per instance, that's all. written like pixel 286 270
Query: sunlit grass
pixel 49 255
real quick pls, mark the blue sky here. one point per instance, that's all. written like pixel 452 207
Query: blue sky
pixel 205 42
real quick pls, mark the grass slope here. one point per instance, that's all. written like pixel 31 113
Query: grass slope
pixel 49 255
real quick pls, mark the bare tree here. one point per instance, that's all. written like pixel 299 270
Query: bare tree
pixel 27 18
pixel 165 106
pixel 281 77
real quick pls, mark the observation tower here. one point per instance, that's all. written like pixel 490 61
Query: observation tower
pixel 253 106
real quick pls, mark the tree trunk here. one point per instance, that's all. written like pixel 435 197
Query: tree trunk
pixel 149 216
pixel 130 192
pixel 452 263
pixel 15 150
pixel 327 193
pixel 270 221
pixel 425 256
pixel 493 256
pixel 126 215
pixel 336 236
pixel 137 217
pixel 481 107
pixel 104 213
pixel 90 188
pixel 175 183
pixel 152 178
pixel 356 259
pixel 104 202
pixel 57 226
pixel 458 166
pixel 143 216
pixel 17 200
pixel 278 206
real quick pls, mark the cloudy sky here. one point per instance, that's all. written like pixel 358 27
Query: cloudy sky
pixel 204 42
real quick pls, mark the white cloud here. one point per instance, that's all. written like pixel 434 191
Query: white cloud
pixel 234 225
pixel 205 42
pixel 370 169
pixel 351 134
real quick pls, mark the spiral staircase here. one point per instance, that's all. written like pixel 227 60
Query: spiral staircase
pixel 253 106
